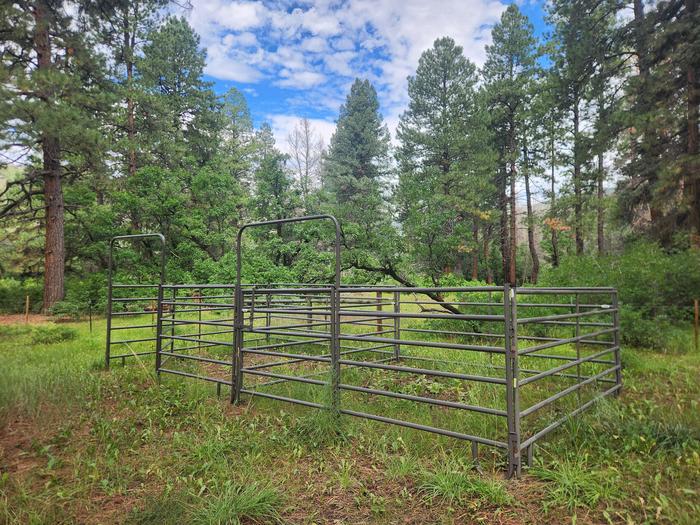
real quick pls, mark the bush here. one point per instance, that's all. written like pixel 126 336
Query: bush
pixel 639 332
pixel 656 289
pixel 67 309
pixel 47 335
pixel 13 295
pixel 654 283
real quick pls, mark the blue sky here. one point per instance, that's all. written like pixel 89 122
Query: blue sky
pixel 298 59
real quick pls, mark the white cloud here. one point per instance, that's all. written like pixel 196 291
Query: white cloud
pixel 283 125
pixel 299 79
pixel 266 41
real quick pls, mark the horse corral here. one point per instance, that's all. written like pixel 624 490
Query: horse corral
pixel 498 366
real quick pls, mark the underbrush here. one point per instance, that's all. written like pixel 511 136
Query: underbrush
pixel 122 448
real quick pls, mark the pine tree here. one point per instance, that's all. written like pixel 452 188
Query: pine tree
pixel 663 175
pixel 53 94
pixel 181 113
pixel 123 26
pixel 508 71
pixel 358 150
pixel 442 159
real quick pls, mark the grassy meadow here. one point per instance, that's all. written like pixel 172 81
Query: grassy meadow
pixel 79 444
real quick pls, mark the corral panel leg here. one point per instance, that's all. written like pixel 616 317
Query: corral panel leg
pixel 512 395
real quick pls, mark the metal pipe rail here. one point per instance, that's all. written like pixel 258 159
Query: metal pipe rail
pixel 357 347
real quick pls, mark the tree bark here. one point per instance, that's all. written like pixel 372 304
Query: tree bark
pixel 600 209
pixel 503 225
pixel 129 43
pixel 534 274
pixel 513 240
pixel 553 203
pixel 692 170
pixel 475 252
pixel 578 204
pixel 54 251
pixel 487 253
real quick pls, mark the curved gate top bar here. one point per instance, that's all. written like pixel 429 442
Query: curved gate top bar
pixel 237 373
pixel 110 289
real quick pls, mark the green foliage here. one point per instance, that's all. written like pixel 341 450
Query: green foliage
pixel 656 288
pixel 454 484
pixel 358 150
pixel 52 334
pixel 573 484
pixel 13 294
pixel 235 503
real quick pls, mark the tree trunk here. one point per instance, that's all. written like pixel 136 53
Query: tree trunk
pixel 553 202
pixel 600 209
pixel 692 171
pixel 487 253
pixel 475 252
pixel 534 274
pixel 503 226
pixel 54 252
pixel 578 204
pixel 513 231
pixel 130 111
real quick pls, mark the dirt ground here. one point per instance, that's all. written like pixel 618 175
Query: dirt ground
pixel 8 319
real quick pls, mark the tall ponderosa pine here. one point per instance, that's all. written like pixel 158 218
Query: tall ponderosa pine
pixel 181 113
pixel 123 26
pixel 441 162
pixel 662 179
pixel 508 71
pixel 51 100
pixel 358 150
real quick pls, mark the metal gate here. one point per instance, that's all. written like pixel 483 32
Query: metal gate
pixel 493 365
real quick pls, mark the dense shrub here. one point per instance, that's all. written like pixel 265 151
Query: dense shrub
pixel 13 293
pixel 49 334
pixel 656 288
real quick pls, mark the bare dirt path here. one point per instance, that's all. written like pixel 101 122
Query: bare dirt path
pixel 8 319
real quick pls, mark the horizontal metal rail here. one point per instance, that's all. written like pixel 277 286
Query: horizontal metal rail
pixel 567 391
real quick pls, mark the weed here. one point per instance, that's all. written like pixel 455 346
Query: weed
pixel 48 335
pixel 574 484
pixel 401 467
pixel 253 501
pixel 454 484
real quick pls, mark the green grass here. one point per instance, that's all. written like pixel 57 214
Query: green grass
pixel 235 503
pixel 455 483
pixel 79 444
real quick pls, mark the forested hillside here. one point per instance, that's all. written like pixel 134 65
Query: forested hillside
pixel 586 139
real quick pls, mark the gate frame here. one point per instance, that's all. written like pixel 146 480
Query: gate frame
pixel 159 298
pixel 238 322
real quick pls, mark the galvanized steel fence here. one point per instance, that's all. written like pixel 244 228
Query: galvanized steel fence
pixel 498 366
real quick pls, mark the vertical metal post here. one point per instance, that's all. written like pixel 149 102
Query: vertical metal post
pixel 172 322
pixel 252 307
pixel 380 321
pixel 237 373
pixel 616 340
pixel 109 304
pixel 397 325
pixel 335 348
pixel 199 318
pixel 577 333
pixel 159 307
pixel 268 317
pixel 512 394
pixel 309 314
